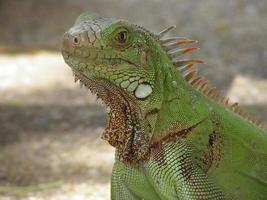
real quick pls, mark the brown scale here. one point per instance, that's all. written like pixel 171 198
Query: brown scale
pixel 214 152
pixel 114 132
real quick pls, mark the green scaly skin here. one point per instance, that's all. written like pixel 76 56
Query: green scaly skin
pixel 171 140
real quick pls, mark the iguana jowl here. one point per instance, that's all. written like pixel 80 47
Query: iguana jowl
pixel 175 136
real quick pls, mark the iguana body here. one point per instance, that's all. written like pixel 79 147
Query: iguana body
pixel 175 137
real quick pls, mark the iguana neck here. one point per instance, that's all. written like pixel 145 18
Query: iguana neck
pixel 175 109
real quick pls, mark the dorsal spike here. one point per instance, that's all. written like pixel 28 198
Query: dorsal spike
pixel 166 30
pixel 200 81
pixel 177 43
pixel 211 90
pixel 190 50
pixel 205 91
pixel 241 111
pixel 259 122
pixel 185 69
pixel 221 98
pixel 202 85
pixel 177 52
pixel 216 95
pixel 190 74
pixel 180 63
pixel 171 39
pixel 195 80
pixel 188 67
pixel 234 106
pixel 226 101
pixel 212 93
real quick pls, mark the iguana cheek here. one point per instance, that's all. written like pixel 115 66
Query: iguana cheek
pixel 143 91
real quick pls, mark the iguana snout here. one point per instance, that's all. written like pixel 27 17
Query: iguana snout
pixel 81 39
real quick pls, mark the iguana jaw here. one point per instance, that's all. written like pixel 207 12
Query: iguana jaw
pixel 125 127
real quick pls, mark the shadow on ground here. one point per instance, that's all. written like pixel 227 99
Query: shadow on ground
pixel 43 119
pixel 50 141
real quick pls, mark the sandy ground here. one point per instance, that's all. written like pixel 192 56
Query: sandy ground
pixel 50 133
pixel 50 130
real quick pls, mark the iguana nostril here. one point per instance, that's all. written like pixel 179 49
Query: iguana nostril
pixel 76 40
pixel 69 41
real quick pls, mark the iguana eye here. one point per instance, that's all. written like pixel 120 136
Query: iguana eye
pixel 122 37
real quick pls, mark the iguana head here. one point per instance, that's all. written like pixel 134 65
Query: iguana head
pixel 109 49
pixel 116 60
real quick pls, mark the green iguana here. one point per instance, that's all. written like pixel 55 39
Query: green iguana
pixel 175 136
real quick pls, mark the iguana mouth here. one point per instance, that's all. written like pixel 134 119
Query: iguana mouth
pixel 124 129
pixel 100 58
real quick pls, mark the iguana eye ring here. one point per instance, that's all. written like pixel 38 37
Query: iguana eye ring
pixel 122 37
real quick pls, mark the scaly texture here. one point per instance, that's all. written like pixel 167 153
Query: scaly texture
pixel 175 136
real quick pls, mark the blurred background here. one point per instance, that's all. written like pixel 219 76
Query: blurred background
pixel 50 146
